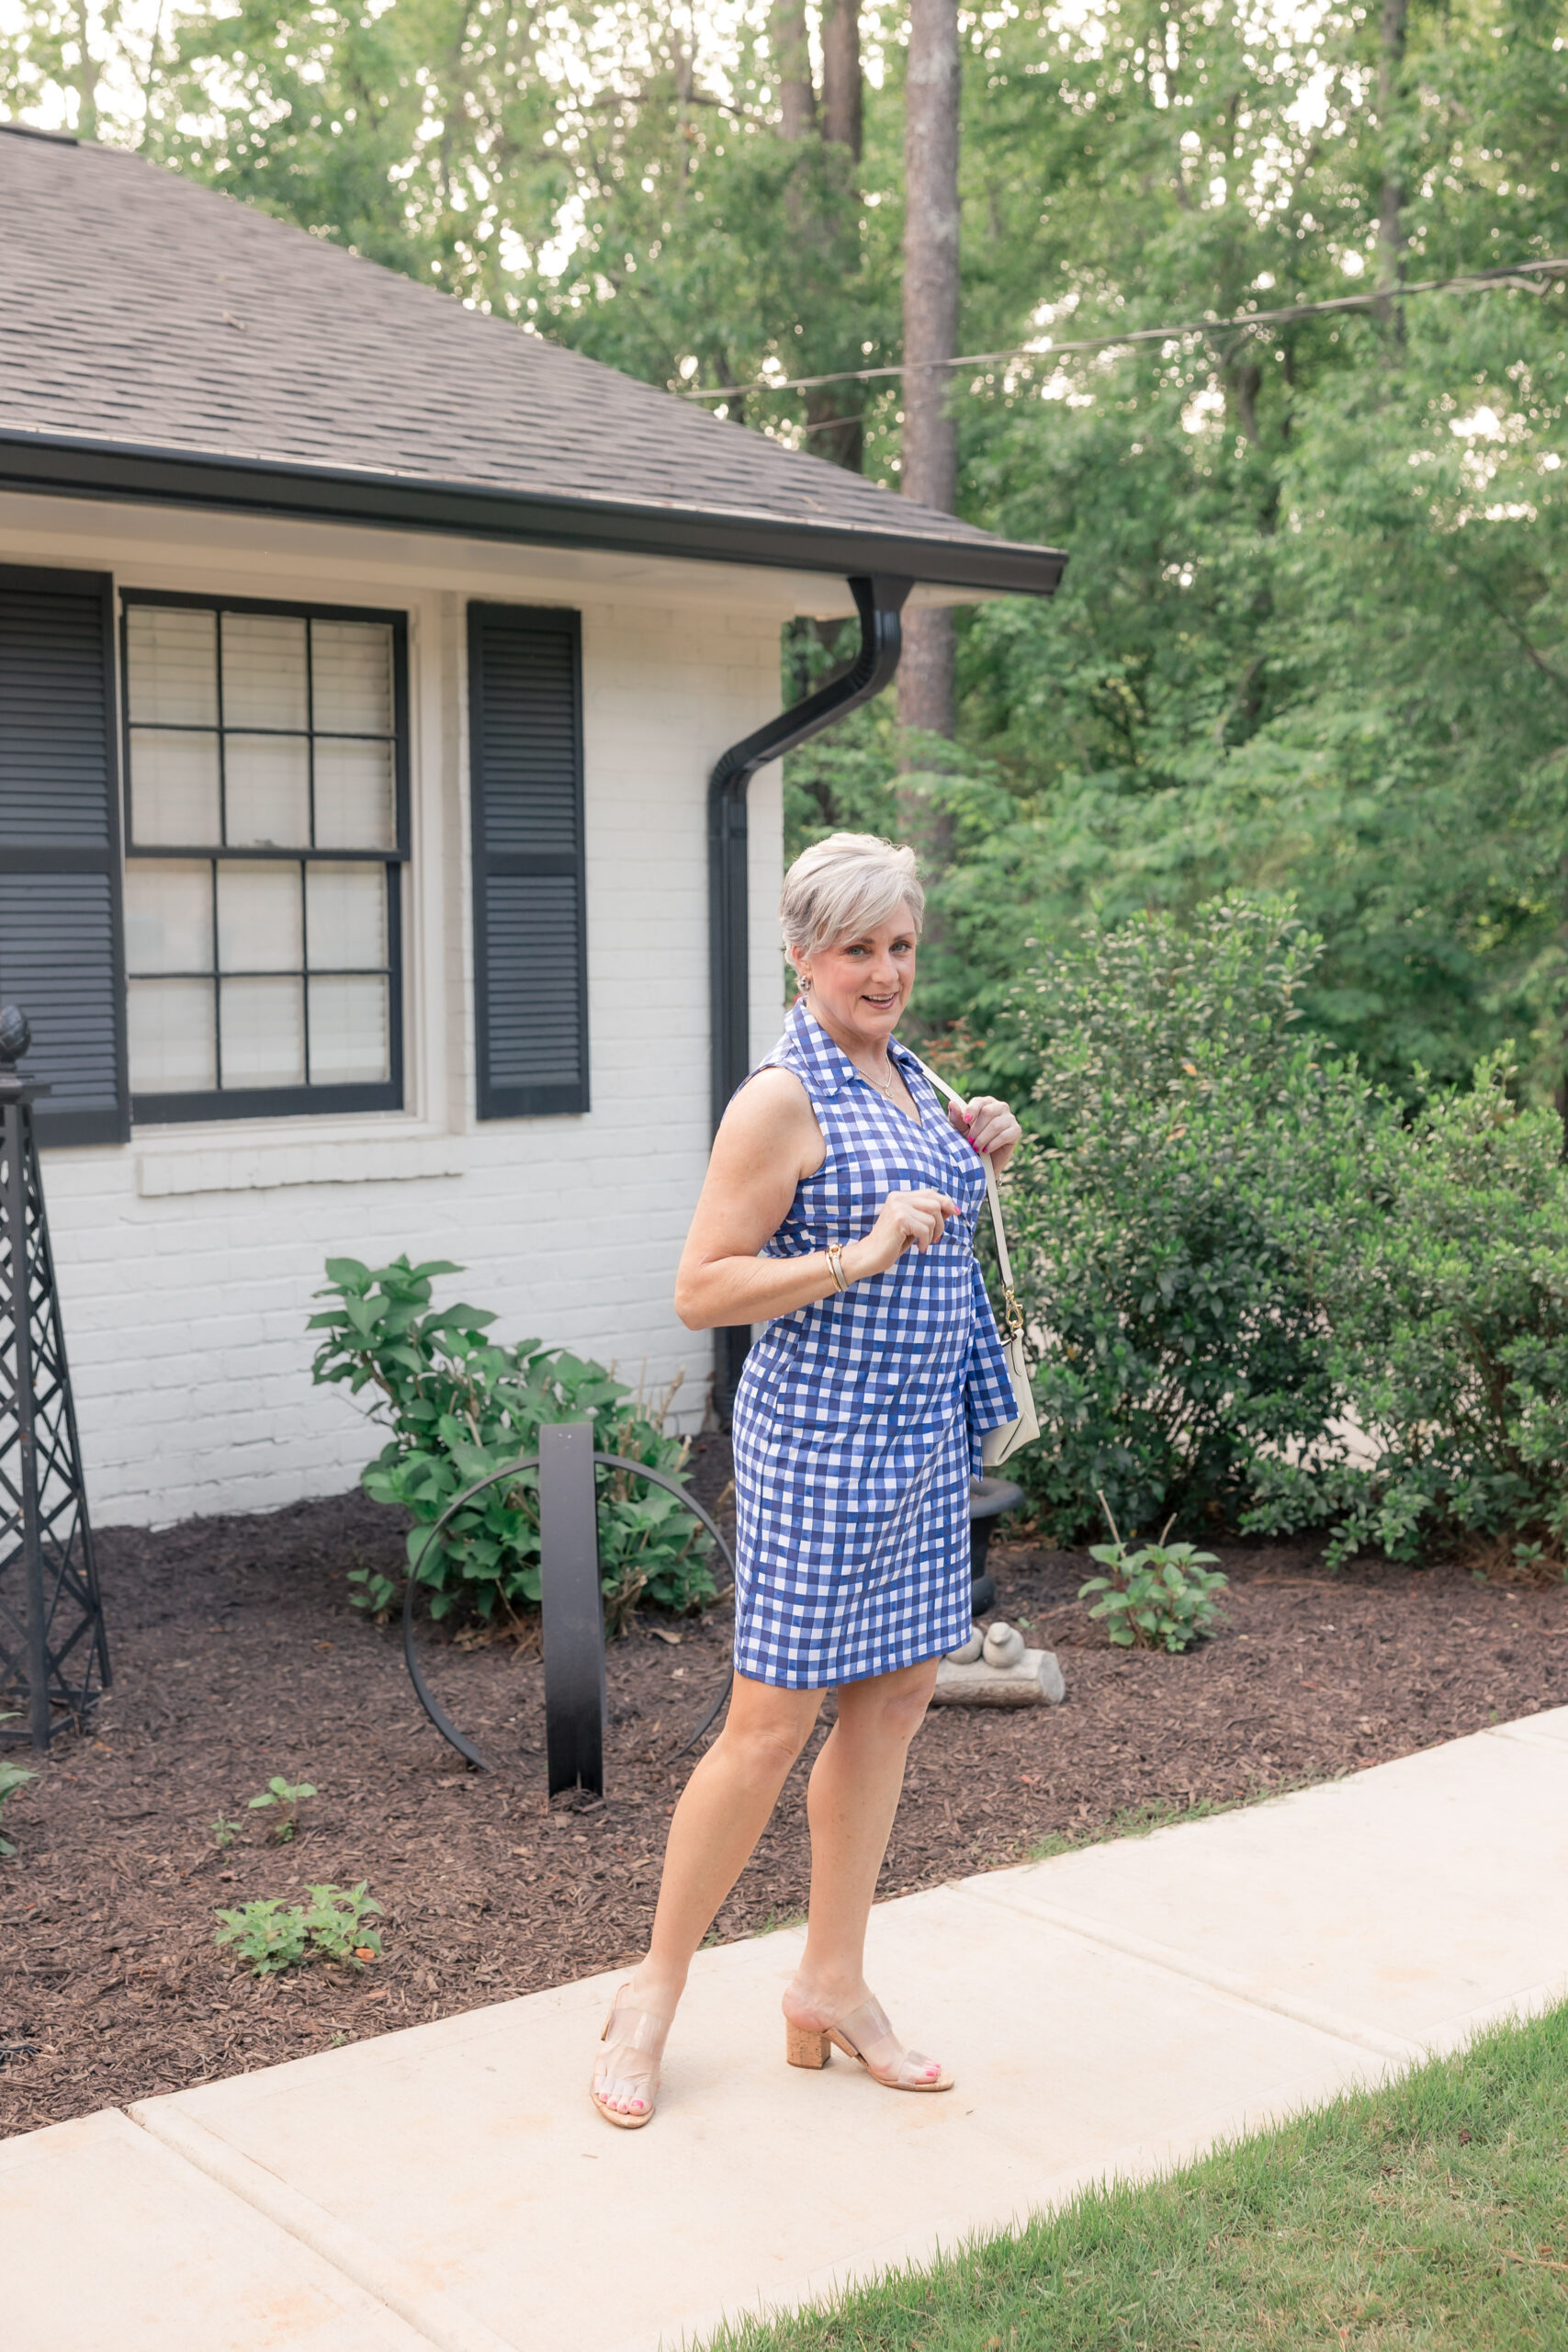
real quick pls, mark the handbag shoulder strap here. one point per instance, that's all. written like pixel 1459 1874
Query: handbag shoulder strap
pixel 994 1201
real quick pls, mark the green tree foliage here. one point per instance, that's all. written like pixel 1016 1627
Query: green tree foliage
pixel 419 133
pixel 714 249
pixel 55 56
pixel 1313 633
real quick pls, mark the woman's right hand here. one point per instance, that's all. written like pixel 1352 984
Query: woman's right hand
pixel 907 1221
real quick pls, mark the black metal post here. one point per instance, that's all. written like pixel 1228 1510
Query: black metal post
pixel 458 1504
pixel 571 1607
pixel 55 1659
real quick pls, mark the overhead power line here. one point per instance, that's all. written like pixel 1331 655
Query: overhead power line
pixel 1526 277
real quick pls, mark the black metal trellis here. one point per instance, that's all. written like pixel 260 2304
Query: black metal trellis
pixel 54 1658
pixel 573 1605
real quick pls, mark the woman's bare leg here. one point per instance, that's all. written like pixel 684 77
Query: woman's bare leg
pixel 723 1811
pixel 852 1799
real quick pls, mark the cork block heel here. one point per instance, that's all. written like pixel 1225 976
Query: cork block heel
pixel 862 2029
pixel 804 2046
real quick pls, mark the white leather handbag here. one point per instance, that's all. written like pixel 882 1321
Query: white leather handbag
pixel 999 1445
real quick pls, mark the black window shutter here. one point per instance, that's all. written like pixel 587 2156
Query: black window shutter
pixel 530 933
pixel 61 952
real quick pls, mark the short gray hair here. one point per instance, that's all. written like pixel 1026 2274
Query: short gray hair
pixel 846 885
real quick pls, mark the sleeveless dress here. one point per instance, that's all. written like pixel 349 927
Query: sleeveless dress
pixel 858 1418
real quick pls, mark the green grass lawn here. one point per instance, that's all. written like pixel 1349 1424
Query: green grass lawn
pixel 1143 1820
pixel 1427 2216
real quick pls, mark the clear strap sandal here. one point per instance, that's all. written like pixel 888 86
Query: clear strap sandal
pixel 861 2030
pixel 627 2066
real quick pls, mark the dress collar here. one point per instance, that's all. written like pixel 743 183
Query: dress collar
pixel 832 1065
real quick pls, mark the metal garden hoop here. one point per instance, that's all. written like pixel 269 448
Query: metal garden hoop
pixel 428 1700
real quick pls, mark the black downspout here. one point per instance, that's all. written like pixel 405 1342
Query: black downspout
pixel 879 602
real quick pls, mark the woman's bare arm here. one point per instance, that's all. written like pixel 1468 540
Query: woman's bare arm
pixel 769 1140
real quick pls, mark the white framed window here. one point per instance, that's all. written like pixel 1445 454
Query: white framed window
pixel 266 828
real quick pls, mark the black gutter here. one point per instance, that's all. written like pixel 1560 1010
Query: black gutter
pixel 879 601
pixel 76 467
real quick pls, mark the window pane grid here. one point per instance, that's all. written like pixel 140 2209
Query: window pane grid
pixel 320 981
pixel 286 988
pixel 350 808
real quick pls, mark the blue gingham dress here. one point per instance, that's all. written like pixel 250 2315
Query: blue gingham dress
pixel 858 1418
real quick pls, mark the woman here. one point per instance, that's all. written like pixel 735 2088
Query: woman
pixel 839 1209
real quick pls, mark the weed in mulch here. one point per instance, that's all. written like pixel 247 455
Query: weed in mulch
pixel 272 1935
pixel 284 1798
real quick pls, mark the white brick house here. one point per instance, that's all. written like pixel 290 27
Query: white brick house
pixel 362 664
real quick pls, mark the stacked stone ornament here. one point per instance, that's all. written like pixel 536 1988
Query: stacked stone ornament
pixel 995 1668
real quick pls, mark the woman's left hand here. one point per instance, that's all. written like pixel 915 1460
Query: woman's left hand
pixel 989 1126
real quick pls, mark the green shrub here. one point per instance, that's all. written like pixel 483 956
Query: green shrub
pixel 272 1935
pixel 1159 1598
pixel 460 1405
pixel 1442 1275
pixel 11 1778
pixel 1177 1110
pixel 1262 1296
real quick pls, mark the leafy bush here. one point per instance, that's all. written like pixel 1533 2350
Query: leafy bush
pixel 272 1935
pixel 460 1405
pixel 1177 1108
pixel 1162 1597
pixel 11 1778
pixel 1263 1294
pixel 1443 1277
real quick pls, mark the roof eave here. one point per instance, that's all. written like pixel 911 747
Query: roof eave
pixel 67 466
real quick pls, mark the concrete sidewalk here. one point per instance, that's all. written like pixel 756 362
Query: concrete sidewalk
pixel 1110 2011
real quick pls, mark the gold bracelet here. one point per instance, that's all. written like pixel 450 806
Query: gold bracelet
pixel 835 1264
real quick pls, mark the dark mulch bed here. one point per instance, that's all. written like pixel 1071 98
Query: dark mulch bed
pixel 237 1656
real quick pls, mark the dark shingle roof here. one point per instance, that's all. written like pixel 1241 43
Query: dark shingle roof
pixel 158 339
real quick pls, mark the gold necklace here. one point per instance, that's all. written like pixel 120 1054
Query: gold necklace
pixel 886 1090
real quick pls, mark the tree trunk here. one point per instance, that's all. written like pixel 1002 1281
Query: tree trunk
pixel 1390 196
pixel 931 253
pixel 792 60
pixel 929 470
pixel 841 81
pixel 86 78
pixel 835 423
pixel 926 673
pixel 837 428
